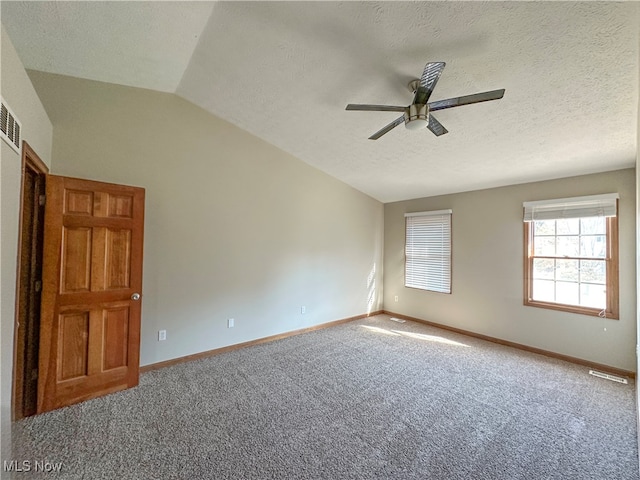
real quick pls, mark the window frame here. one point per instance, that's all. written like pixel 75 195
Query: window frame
pixel 449 214
pixel 611 260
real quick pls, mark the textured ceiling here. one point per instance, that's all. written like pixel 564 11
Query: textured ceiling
pixel 140 44
pixel 284 71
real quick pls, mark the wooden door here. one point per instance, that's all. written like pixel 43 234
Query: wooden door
pixel 92 283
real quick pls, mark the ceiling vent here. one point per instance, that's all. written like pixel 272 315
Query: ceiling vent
pixel 10 127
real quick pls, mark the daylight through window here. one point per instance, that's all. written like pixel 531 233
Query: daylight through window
pixel 571 255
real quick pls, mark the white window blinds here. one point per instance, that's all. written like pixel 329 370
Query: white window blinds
pixel 428 251
pixel 575 207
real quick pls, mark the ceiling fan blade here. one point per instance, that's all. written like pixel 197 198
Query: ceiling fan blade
pixel 430 77
pixel 436 127
pixel 387 129
pixel 376 108
pixel 466 100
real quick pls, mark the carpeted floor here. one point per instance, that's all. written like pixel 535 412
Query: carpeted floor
pixel 369 399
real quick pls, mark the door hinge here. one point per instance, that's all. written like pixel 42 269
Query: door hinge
pixel 38 285
pixel 42 199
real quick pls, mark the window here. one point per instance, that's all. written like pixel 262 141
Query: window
pixel 571 255
pixel 428 251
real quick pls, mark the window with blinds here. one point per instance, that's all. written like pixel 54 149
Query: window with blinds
pixel 428 251
pixel 571 254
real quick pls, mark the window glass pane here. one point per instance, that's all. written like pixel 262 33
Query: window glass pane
pixel 593 246
pixel 544 246
pixel 568 226
pixel 593 226
pixel 594 296
pixel 544 290
pixel 544 268
pixel 567 292
pixel 593 271
pixel 568 246
pixel 567 270
pixel 545 227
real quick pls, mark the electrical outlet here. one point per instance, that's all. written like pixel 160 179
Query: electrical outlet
pixel 303 310
pixel 162 335
pixel 230 323
pixel 396 299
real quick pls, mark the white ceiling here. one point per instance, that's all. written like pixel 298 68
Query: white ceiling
pixel 284 71
pixel 140 44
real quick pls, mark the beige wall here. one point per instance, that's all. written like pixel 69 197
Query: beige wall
pixel 234 227
pixel 638 256
pixel 487 272
pixel 37 131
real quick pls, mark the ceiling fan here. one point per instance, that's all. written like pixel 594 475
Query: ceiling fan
pixel 418 115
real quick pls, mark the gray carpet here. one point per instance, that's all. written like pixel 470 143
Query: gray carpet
pixel 357 401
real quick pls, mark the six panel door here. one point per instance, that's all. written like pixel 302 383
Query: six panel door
pixel 91 296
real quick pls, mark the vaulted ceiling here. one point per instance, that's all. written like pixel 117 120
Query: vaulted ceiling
pixel 284 71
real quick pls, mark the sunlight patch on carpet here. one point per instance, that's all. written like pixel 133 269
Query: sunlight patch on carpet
pixel 419 336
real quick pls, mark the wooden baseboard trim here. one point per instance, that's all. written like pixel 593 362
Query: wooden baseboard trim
pixel 237 346
pixel 507 343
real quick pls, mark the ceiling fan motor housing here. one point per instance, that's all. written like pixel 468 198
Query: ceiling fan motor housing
pixel 416 116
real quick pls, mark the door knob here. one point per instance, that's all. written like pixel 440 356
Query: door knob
pixel 135 296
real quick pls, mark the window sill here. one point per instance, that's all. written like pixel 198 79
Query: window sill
pixel 594 312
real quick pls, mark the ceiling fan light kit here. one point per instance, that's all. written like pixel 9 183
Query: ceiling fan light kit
pixel 417 115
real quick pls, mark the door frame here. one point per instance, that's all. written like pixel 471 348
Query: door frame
pixel 30 162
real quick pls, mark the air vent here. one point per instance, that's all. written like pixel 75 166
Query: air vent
pixel 10 127
pixel 607 376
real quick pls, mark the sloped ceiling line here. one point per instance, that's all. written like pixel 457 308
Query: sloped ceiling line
pixel 284 71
